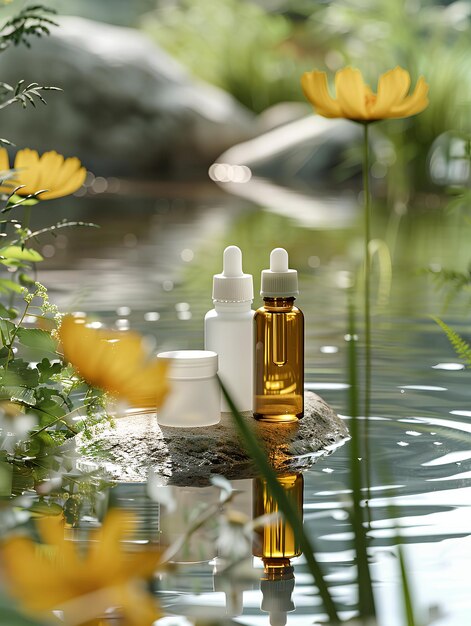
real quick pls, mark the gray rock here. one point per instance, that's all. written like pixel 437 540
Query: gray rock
pixel 307 152
pixel 281 114
pixel 301 154
pixel 137 445
pixel 128 108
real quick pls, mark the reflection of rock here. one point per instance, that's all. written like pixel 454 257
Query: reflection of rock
pixel 127 106
pixel 189 456
pixel 320 210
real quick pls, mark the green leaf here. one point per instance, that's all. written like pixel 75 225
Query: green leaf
pixel 23 395
pixel 10 615
pixel 7 285
pixel 26 280
pixel 19 374
pixel 7 329
pixel 6 473
pixel 9 313
pixel 21 254
pixel 4 353
pixel 37 339
pixel 47 370
pixel 13 263
pixel 45 508
pixel 460 346
pixel 16 199
pixel 50 403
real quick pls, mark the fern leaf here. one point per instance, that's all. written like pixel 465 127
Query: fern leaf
pixel 460 346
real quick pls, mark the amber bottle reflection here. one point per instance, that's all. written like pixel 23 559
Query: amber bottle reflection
pixel 276 544
pixel 279 361
pixel 276 539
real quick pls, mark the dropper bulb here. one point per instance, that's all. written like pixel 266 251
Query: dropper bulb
pixel 278 618
pixel 279 260
pixel 232 262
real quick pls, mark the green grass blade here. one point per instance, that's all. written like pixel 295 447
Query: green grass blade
pixel 259 457
pixel 366 604
pixel 406 594
pixel 409 613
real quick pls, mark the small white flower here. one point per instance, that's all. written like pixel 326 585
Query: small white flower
pixel 14 428
pixel 224 485
pixel 161 493
pixel 234 539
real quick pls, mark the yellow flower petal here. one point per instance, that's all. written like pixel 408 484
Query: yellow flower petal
pixel 70 178
pixel 392 89
pixel 52 530
pixel 413 104
pixel 27 164
pixel 115 362
pixel 74 183
pixel 102 552
pixel 351 92
pixel 50 171
pixel 50 165
pixel 142 391
pixel 61 576
pixel 356 101
pixel 4 162
pixel 70 167
pixel 316 90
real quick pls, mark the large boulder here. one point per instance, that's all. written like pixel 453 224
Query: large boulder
pixel 301 152
pixel 128 108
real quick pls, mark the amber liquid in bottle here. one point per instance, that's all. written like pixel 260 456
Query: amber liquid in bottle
pixel 275 542
pixel 279 361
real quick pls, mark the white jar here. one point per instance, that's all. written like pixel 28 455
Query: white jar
pixel 194 396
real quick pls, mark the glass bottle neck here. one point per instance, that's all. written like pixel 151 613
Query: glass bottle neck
pixel 277 569
pixel 278 304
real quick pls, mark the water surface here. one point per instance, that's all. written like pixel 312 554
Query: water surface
pixel 149 268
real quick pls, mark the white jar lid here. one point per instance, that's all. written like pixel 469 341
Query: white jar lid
pixel 191 363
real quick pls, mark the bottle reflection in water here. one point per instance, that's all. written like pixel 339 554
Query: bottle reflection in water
pixel 191 502
pixel 275 543
pixel 277 585
pixel 276 539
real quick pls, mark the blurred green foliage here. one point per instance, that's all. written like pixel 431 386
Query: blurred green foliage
pixel 234 44
pixel 120 12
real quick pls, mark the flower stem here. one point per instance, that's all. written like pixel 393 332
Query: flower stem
pixel 26 216
pixel 367 218
pixel 13 336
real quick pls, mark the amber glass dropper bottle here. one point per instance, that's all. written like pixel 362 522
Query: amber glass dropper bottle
pixel 279 345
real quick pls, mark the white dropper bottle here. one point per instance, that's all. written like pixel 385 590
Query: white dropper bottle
pixel 228 329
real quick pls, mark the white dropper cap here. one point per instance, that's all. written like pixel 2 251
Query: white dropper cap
pixel 232 285
pixel 279 281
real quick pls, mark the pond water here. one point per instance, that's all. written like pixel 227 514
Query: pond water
pixel 149 268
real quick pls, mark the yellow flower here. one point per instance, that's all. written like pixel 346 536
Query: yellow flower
pixel 59 176
pixel 115 362
pixel 58 575
pixel 356 101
